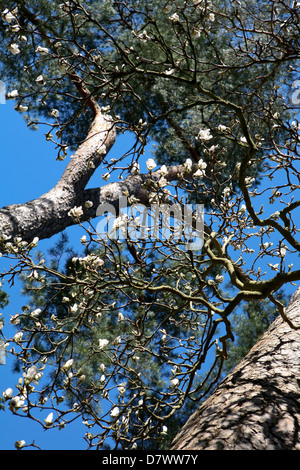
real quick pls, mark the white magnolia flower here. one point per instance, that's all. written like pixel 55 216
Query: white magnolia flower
pixel 170 71
pixel 153 198
pixel 103 343
pixel 162 182
pixel 97 261
pixel 18 336
pixel 115 412
pixel 87 424
pixel 21 108
pixel 201 164
pixel 295 125
pixel 76 212
pixel 188 164
pixel 14 49
pixel 282 252
pixel 204 134
pixel 222 128
pixel 120 222
pixel 102 378
pixel 163 170
pixel 9 16
pixel 211 17
pixel 150 164
pixel 274 267
pixel 34 242
pixel 12 94
pixel 40 80
pixel 117 340
pixel 120 316
pixel 35 312
pixel 42 50
pixel 175 18
pixel 106 176
pixel 16 402
pixel 199 174
pixel 30 375
pixel 88 204
pixel 68 364
pixel 226 191
pixel 266 245
pixel 67 6
pixel 7 393
pixel 102 150
pixel 142 123
pixel 213 148
pixel 74 308
pixel 15 319
pixel 174 382
pixel 125 420
pixel 19 444
pixel 15 28
pixel 135 168
pixel 49 419
pixel 54 113
pixel 164 430
pixel 143 37
pixel 196 33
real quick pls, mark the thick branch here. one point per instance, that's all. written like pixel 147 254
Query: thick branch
pixel 48 215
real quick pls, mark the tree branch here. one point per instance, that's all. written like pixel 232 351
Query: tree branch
pixel 48 214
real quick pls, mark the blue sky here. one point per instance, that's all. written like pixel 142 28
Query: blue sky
pixel 28 169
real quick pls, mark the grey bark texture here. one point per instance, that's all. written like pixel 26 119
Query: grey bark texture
pixel 257 406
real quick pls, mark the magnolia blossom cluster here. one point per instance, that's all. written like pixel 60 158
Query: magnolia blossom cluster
pixel 14 48
pixel 25 386
pixel 17 246
pixel 199 4
pixel 10 17
pixel 92 260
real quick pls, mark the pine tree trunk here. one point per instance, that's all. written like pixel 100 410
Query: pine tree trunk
pixel 257 406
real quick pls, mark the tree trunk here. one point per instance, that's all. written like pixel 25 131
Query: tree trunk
pixel 257 406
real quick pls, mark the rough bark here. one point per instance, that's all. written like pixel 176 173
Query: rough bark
pixel 257 406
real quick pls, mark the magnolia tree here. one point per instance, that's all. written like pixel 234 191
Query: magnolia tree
pixel 126 333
